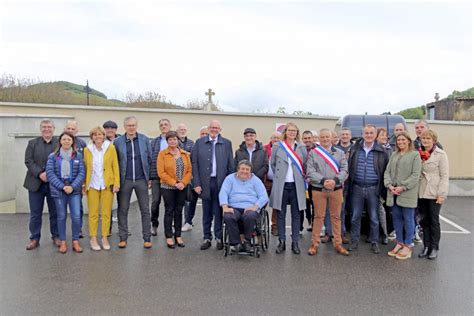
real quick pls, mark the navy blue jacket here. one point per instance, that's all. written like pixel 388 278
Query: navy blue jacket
pixel 380 163
pixel 145 153
pixel 201 161
pixel 53 171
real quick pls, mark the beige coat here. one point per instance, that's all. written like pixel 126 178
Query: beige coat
pixel 434 180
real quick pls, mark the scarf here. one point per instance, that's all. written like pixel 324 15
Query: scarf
pixel 424 154
pixel 66 157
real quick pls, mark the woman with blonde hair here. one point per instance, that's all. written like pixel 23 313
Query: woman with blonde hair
pixel 401 178
pixel 434 185
pixel 288 158
pixel 102 181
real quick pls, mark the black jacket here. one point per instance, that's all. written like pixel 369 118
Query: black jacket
pixel 380 163
pixel 259 159
pixel 36 156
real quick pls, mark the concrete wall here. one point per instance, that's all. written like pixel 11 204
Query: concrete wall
pixel 20 122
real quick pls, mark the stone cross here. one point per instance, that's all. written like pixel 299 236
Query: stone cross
pixel 210 93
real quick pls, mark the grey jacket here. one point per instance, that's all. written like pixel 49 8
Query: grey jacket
pixel 279 163
pixel 201 160
pixel 318 170
pixel 403 171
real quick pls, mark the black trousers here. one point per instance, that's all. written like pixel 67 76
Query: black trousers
pixel 428 211
pixel 309 209
pixel 174 202
pixel 238 220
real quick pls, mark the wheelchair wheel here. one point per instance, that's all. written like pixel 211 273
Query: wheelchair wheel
pixel 265 230
pixel 225 240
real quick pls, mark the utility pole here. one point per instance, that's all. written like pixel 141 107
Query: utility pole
pixel 88 90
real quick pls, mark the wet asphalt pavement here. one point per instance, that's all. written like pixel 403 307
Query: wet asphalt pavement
pixel 160 281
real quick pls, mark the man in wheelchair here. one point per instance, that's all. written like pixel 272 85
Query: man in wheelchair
pixel 241 197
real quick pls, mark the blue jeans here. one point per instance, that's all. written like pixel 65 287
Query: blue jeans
pixel 36 200
pixel 360 197
pixel 211 210
pixel 289 197
pixel 404 223
pixel 327 221
pixel 74 202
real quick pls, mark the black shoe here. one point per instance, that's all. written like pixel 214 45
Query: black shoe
pixel 385 240
pixel 375 248
pixel 81 235
pixel 129 234
pixel 310 229
pixel 154 231
pixel 354 245
pixel 206 244
pixel 281 246
pixel 295 248
pixel 219 244
pixel 424 253
pixel 433 254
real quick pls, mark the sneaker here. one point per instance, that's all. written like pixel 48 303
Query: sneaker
pixel 246 247
pixel 187 227
pixel 326 239
pixel 392 235
pixel 375 248
pixel 354 245
pixel 206 244
pixel 417 238
pixel 114 219
pixel 219 244
pixel 404 253
pixel 234 249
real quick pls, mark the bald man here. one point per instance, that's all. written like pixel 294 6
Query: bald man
pixel 212 161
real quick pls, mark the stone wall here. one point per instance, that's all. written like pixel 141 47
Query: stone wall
pixel 20 122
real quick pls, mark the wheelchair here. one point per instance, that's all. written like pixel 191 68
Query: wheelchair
pixel 260 237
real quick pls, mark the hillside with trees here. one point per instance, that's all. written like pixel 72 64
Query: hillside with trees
pixel 420 111
pixel 25 90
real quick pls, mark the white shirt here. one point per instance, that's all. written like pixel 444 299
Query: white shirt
pixel 367 149
pixel 213 151
pixel 289 174
pixel 163 143
pixel 97 177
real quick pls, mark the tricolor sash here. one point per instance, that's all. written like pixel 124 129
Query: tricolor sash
pixel 295 159
pixel 328 158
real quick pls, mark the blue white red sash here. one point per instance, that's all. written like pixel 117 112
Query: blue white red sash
pixel 330 160
pixel 295 159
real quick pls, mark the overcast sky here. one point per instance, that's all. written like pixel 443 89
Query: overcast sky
pixel 325 57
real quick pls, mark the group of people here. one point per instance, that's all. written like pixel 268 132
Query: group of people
pixel 320 175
